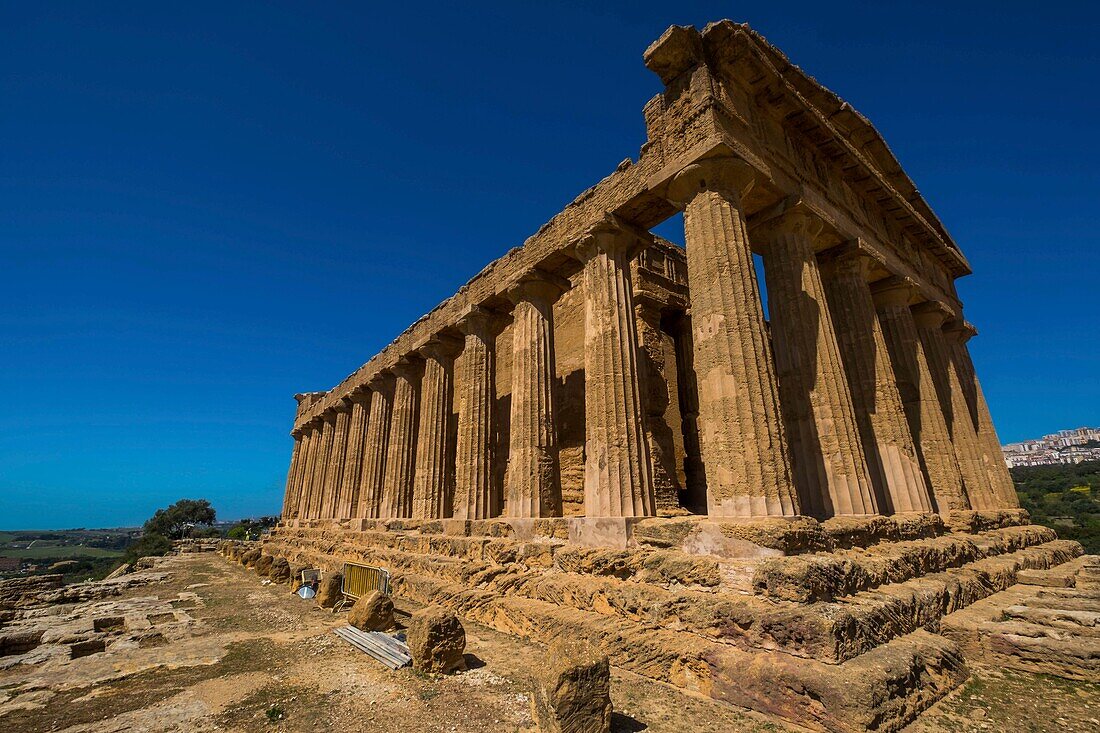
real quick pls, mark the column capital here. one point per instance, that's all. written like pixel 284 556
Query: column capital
pixel 477 320
pixel 409 366
pixel 441 346
pixel 538 287
pixel 360 395
pixel 959 330
pixel 329 415
pixel 894 290
pixel 931 314
pixel 342 405
pixel 298 433
pixel 611 236
pixel 725 174
pixel 789 217
pixel 381 382
pixel 848 258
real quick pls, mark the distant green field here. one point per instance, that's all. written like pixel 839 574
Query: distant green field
pixel 57 552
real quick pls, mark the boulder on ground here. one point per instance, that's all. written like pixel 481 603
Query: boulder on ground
pixel 372 612
pixel 328 592
pixel 436 640
pixel 295 579
pixel 249 558
pixel 572 690
pixel 263 565
pixel 279 571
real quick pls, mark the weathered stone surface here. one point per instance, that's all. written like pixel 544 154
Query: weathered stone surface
pixel 533 484
pixel 436 640
pixel 328 592
pixel 280 571
pixel 263 565
pixel 743 445
pixel 573 690
pixel 249 558
pixel 372 612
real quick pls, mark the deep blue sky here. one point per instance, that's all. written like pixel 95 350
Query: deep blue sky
pixel 205 208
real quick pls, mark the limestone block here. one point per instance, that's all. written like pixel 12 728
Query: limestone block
pixel 572 690
pixel 328 592
pixel 373 612
pixel 263 565
pixel 279 571
pixel 436 640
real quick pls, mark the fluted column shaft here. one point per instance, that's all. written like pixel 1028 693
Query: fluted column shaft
pixel 534 479
pixel 929 318
pixel 617 477
pixel 655 398
pixel 290 496
pixel 353 456
pixel 305 476
pixel 474 496
pixel 741 436
pixel 918 395
pixel 1000 480
pixel 334 472
pixel 827 455
pixel 433 474
pixel 320 469
pixel 375 448
pixel 888 444
pixel 401 457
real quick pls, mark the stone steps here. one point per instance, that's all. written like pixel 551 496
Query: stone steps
pixel 828 632
pixel 1046 625
pixel 826 576
pixel 881 690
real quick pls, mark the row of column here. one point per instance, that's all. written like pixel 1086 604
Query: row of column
pixel 862 409
pixel 869 403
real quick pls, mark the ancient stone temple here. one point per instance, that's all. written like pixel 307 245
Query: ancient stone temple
pixel 769 503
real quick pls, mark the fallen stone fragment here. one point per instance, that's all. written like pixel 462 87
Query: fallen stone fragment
pixel 328 592
pixel 280 570
pixel 573 690
pixel 372 612
pixel 436 640
pixel 263 565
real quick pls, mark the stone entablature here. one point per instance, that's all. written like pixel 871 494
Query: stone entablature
pixel 695 397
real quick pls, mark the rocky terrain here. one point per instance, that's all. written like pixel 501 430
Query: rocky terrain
pixel 198 643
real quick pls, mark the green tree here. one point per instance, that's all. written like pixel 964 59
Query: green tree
pixel 150 544
pixel 178 520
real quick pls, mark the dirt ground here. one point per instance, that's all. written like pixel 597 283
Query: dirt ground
pixel 261 659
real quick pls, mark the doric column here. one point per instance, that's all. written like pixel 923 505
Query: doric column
pixel 375 447
pixel 433 475
pixel 289 495
pixel 930 317
pixel 334 472
pixel 320 469
pixel 827 455
pixel 887 442
pixel 617 478
pixel 958 333
pixel 534 480
pixel 353 455
pixel 401 457
pixel 655 399
pixel 474 497
pixel 305 476
pixel 741 436
pixel 918 393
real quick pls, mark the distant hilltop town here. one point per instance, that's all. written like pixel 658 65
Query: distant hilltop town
pixel 1065 446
